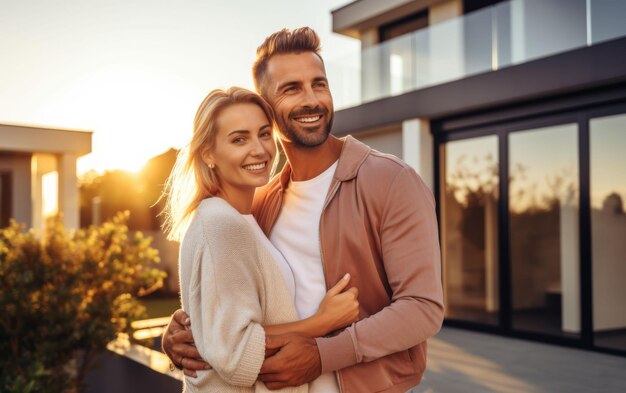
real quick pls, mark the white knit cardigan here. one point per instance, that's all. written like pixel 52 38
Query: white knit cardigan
pixel 230 288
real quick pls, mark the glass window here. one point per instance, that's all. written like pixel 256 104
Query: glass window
pixel 407 25
pixel 608 229
pixel 469 229
pixel 544 240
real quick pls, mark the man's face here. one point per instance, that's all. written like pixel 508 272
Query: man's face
pixel 297 89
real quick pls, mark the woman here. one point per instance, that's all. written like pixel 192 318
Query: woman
pixel 235 286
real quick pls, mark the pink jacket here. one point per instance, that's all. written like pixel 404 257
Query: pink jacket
pixel 379 225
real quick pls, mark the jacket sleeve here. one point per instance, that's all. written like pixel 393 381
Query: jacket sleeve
pixel 411 258
pixel 232 338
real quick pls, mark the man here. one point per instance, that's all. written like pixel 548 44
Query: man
pixel 339 207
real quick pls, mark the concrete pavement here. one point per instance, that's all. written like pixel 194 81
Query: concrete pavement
pixel 461 361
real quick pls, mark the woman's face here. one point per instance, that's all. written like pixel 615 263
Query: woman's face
pixel 244 148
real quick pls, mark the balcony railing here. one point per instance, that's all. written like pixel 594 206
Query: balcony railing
pixel 492 38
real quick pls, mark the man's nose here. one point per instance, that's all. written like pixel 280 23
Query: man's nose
pixel 309 98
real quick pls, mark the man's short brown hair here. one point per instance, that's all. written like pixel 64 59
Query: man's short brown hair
pixel 303 39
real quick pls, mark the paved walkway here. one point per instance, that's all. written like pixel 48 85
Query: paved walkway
pixel 461 361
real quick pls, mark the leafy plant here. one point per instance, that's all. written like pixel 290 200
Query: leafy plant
pixel 64 295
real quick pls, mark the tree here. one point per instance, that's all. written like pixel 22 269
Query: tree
pixel 119 190
pixel 64 296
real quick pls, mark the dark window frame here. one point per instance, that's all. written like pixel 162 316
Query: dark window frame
pixel 502 124
pixel 6 199
pixel 387 31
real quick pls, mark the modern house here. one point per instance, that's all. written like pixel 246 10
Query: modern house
pixel 514 112
pixel 38 173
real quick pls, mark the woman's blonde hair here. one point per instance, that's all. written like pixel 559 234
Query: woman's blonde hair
pixel 191 179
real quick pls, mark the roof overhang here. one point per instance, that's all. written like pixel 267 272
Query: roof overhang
pixel 30 139
pixel 361 15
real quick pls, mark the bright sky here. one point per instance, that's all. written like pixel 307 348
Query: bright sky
pixel 135 71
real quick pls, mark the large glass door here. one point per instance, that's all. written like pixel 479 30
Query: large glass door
pixel 469 229
pixel 607 161
pixel 533 226
pixel 543 230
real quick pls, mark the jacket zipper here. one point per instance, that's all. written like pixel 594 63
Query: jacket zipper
pixel 330 196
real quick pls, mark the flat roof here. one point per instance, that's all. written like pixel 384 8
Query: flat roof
pixel 360 15
pixel 35 139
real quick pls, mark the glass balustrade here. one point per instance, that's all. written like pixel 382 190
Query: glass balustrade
pixel 489 39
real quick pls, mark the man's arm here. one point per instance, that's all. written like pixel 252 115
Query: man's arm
pixel 178 345
pixel 411 256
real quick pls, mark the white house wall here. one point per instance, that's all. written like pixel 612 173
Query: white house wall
pixel 389 142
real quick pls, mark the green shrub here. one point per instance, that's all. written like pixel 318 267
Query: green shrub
pixel 63 296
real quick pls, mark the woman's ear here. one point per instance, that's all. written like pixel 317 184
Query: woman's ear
pixel 207 158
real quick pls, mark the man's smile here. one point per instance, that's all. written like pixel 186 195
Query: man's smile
pixel 308 119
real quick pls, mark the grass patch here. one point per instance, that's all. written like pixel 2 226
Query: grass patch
pixel 161 307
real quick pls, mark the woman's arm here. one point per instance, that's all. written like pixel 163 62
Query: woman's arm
pixel 338 309
pixel 223 289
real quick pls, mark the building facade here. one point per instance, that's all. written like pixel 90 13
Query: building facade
pixel 38 174
pixel 514 112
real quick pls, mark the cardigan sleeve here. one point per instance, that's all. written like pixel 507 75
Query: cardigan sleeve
pixel 232 337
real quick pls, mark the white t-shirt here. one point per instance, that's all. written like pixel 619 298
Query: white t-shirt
pixel 297 235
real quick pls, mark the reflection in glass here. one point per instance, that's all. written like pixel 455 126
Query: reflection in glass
pixel 608 229
pixel 542 28
pixel 544 241
pixel 469 229
pixel 401 65
pixel 478 37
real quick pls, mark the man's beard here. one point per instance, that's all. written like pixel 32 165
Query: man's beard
pixel 304 138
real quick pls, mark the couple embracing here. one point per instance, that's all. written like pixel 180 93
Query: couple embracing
pixel 325 278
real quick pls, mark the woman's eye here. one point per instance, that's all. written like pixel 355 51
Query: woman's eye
pixel 239 140
pixel 265 134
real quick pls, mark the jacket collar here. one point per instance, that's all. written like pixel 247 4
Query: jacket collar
pixel 353 154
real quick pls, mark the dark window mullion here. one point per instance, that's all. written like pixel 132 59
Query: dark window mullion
pixel 437 187
pixel 504 233
pixel 586 271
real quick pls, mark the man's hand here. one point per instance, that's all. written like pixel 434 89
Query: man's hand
pixel 178 345
pixel 297 361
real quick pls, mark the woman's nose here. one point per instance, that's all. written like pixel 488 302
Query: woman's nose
pixel 258 148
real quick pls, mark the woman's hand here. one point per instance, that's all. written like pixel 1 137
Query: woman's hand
pixel 339 308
